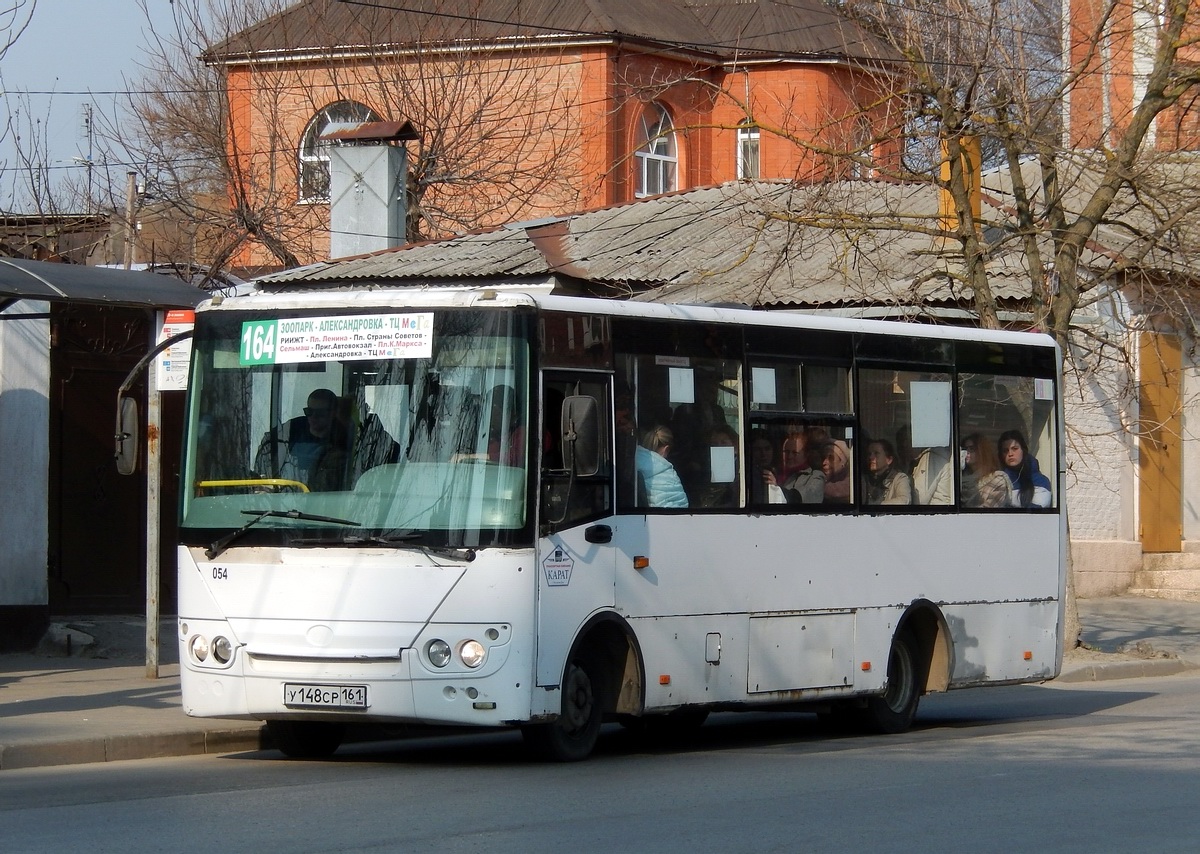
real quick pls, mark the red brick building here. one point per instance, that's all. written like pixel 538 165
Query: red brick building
pixel 1112 48
pixel 535 108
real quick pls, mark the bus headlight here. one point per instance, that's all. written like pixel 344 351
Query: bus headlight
pixel 199 647
pixel 438 653
pixel 222 650
pixel 472 653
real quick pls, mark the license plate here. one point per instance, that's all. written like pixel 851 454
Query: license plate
pixel 324 696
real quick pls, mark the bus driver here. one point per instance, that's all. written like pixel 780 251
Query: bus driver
pixel 311 446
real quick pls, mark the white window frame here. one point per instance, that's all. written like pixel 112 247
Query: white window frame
pixel 863 133
pixel 657 155
pixel 748 151
pixel 312 164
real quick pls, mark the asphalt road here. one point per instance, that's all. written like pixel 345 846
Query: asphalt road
pixel 1067 768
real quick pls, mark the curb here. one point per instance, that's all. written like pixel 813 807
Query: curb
pixel 1127 670
pixel 116 748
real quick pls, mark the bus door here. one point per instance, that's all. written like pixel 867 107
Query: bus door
pixel 575 556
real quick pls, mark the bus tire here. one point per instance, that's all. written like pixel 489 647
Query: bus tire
pixel 306 739
pixel 573 735
pixel 893 711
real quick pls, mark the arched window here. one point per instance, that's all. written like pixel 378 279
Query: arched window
pixel 747 150
pixel 314 154
pixel 656 154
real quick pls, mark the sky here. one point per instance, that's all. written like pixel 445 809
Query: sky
pixel 73 52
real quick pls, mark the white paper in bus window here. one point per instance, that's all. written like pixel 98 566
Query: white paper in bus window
pixel 930 414
pixel 762 385
pixel 723 464
pixel 682 385
pixel 1043 390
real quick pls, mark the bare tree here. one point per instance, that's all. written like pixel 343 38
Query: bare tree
pixel 221 122
pixel 15 16
pixel 27 176
pixel 993 72
pixel 1087 205
pixel 1089 198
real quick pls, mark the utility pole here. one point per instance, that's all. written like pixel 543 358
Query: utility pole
pixel 130 218
pixel 89 134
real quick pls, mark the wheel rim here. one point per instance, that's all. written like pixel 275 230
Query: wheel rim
pixel 577 701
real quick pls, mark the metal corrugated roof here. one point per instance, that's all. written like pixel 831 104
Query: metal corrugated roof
pixel 41 280
pixel 759 243
pixel 722 29
pixel 762 243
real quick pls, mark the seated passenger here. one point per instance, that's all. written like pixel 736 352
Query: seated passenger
pixel 800 482
pixel 983 483
pixel 885 483
pixel 1030 488
pixel 835 463
pixel 722 488
pixel 931 479
pixel 506 434
pixel 762 460
pixel 371 444
pixel 659 479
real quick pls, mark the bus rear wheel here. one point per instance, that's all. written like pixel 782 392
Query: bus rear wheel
pixel 306 739
pixel 895 709
pixel 573 735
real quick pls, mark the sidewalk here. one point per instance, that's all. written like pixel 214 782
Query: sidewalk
pixel 83 696
pixel 97 705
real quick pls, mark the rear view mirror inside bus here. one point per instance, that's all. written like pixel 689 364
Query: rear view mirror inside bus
pixel 581 435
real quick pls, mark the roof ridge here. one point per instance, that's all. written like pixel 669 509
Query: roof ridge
pixel 767 28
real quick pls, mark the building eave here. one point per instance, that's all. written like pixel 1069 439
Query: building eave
pixel 543 43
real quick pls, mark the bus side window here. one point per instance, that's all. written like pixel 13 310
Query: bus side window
pixel 906 422
pixel 706 420
pixel 996 412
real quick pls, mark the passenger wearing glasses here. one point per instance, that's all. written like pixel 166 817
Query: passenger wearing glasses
pixel 310 448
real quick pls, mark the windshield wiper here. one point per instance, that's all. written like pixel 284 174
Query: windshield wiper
pixel 353 540
pixel 223 543
pixel 395 540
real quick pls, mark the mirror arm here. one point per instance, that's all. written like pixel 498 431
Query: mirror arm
pixel 120 435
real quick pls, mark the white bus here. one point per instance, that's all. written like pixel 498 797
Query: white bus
pixel 495 508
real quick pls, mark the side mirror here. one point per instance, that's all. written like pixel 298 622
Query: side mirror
pixel 581 435
pixel 128 435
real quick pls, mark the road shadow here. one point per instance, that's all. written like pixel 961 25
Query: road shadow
pixel 957 714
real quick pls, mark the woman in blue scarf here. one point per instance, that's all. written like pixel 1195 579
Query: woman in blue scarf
pixel 1030 488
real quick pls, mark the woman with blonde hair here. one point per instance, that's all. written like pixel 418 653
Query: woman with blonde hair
pixel 658 477
pixel 984 484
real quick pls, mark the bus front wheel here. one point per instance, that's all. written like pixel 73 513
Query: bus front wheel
pixel 573 735
pixel 894 710
pixel 306 739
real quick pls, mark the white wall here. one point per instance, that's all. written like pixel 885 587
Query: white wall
pixel 24 455
pixel 1101 471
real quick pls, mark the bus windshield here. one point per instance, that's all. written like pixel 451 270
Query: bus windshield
pixel 368 428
